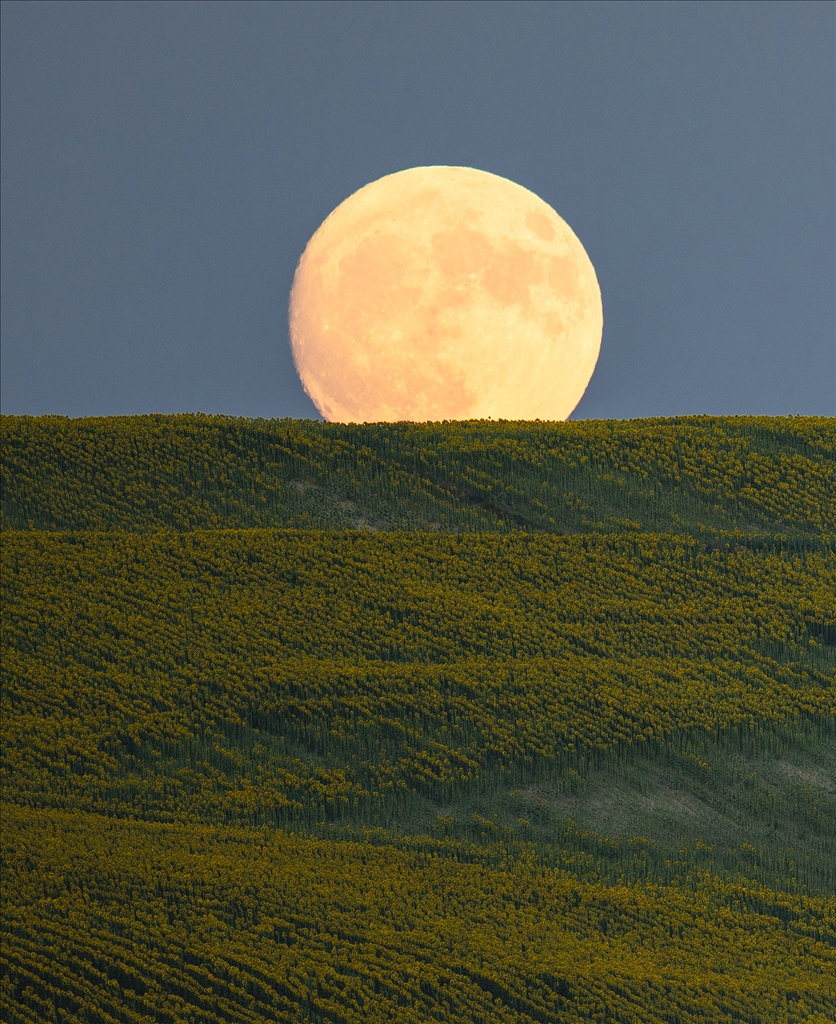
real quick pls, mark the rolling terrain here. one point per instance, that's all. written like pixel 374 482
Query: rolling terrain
pixel 456 722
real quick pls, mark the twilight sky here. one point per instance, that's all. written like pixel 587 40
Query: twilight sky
pixel 164 164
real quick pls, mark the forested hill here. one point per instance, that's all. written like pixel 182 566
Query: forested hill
pixel 701 476
pixel 478 723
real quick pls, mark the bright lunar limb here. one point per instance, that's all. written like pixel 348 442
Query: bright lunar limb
pixel 445 293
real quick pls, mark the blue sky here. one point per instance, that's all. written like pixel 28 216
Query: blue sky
pixel 164 164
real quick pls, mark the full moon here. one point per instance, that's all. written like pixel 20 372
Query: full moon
pixel 445 293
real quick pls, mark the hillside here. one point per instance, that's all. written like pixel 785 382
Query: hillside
pixel 697 475
pixel 455 722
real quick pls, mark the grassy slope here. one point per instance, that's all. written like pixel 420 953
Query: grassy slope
pixel 563 710
pixel 209 924
pixel 302 676
pixel 698 475
pixel 167 923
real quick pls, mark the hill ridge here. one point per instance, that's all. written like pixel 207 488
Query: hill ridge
pixel 703 476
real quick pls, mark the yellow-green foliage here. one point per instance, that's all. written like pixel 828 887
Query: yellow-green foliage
pixel 695 475
pixel 258 672
pixel 254 770
pixel 128 921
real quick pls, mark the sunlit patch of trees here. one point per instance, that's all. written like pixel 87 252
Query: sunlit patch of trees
pixel 133 921
pixel 264 673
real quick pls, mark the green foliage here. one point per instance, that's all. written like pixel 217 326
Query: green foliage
pixel 131 921
pixel 456 722
pixel 699 475
pixel 272 674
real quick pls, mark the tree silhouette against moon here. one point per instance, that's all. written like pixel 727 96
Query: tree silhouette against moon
pixel 445 293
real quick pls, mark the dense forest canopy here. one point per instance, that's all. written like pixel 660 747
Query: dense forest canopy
pixel 457 722
pixel 693 475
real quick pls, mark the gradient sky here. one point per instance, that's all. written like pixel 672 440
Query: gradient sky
pixel 164 164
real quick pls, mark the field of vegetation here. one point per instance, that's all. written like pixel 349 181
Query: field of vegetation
pixel 700 475
pixel 456 722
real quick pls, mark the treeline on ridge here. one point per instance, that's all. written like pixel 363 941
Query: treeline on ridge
pixel 697 475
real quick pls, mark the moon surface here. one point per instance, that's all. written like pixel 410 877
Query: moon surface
pixel 445 293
